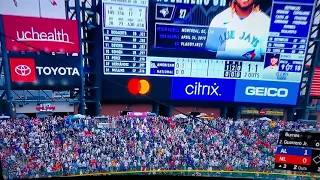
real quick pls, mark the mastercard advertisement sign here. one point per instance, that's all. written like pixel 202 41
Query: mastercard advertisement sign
pixel 127 88
pixel 138 86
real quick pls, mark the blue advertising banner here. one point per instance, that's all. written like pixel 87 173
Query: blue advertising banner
pixel 203 89
pixel 266 92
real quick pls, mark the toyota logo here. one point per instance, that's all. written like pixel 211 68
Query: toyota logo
pixel 22 70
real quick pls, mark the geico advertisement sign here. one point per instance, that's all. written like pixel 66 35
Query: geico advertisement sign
pixel 273 92
pixel 202 89
pixel 41 34
pixel 266 91
pixel 24 71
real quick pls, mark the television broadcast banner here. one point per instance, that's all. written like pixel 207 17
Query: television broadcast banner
pixel 41 34
pixel 46 72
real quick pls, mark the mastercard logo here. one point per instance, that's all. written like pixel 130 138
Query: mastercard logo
pixel 138 86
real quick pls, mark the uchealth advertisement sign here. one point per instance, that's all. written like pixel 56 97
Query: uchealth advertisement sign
pixel 48 72
pixel 203 89
pixel 34 8
pixel 41 34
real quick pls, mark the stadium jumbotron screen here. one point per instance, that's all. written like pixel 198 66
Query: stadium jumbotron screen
pixel 232 43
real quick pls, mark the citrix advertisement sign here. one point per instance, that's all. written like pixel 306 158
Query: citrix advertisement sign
pixel 203 89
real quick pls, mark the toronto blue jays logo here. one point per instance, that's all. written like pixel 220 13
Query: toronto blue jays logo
pixel 250 54
pixel 164 12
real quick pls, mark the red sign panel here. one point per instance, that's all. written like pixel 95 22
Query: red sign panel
pixel 262 112
pixel 315 86
pixel 22 70
pixel 41 34
pixel 45 107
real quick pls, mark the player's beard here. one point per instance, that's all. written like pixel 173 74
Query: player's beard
pixel 250 6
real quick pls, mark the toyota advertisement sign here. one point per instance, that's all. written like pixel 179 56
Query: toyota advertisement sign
pixel 41 34
pixel 48 72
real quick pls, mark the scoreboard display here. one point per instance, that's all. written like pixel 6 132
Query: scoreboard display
pixel 249 51
pixel 201 38
pixel 298 151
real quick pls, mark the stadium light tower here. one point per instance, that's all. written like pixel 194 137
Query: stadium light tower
pixel 310 64
pixel 87 12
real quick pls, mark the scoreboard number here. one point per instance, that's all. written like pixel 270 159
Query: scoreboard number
pixel 252 71
pixel 183 13
pixel 304 160
pixel 232 69
pixel 181 72
pixel 249 67
pixel 180 67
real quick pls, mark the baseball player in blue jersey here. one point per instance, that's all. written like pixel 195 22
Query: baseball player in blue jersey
pixel 240 32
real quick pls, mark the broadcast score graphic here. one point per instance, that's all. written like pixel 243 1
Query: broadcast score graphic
pixel 298 151
pixel 209 39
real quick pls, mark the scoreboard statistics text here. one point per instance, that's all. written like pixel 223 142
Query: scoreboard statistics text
pixel 206 38
pixel 298 151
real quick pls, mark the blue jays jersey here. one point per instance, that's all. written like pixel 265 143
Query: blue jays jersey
pixel 239 39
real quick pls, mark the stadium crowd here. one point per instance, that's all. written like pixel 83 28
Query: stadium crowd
pixel 60 146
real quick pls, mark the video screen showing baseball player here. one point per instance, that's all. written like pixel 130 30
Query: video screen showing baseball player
pixel 271 66
pixel 271 63
pixel 209 29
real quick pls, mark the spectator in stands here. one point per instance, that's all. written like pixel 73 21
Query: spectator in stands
pixel 60 146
